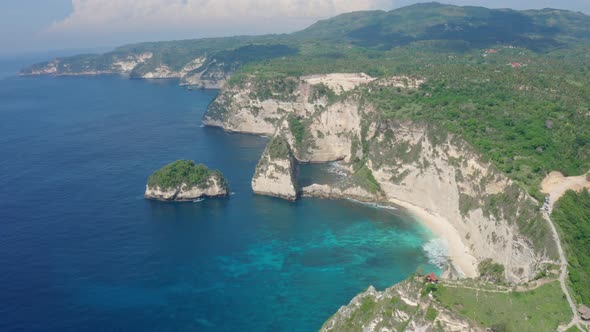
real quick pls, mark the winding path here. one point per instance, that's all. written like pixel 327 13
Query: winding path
pixel 555 185
pixel 562 277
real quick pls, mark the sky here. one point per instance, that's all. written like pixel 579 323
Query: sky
pixel 46 25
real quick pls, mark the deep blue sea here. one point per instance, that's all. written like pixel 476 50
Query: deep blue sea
pixel 81 250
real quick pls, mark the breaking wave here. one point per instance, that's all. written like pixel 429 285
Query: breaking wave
pixel 338 169
pixel 437 251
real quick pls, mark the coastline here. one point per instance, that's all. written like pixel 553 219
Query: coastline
pixel 459 254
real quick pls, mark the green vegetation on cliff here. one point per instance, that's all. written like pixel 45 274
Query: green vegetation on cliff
pixel 278 148
pixel 297 129
pixel 184 171
pixel 491 271
pixel 364 178
pixel 572 217
pixel 541 309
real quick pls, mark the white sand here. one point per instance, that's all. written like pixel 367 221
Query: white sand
pixel 459 254
pixel 555 185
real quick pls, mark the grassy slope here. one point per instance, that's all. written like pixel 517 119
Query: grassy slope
pixel 572 216
pixel 542 309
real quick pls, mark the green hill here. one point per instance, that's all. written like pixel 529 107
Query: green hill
pixel 478 27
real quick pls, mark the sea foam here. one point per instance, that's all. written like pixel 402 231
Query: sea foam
pixel 437 251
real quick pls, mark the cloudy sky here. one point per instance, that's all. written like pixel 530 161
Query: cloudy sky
pixel 38 25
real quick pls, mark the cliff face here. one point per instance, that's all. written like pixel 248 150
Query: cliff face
pixel 395 161
pixel 332 123
pixel 276 172
pixel 402 307
pixel 496 219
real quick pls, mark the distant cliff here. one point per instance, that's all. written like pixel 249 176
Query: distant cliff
pixel 183 180
pixel 205 63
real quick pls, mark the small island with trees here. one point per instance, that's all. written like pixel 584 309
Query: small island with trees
pixel 183 180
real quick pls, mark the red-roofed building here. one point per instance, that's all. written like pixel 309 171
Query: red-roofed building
pixel 516 64
pixel 431 277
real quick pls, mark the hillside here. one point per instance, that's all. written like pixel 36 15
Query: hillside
pixel 474 27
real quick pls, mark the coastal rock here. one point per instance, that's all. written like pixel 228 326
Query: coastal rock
pixel 185 181
pixel 277 171
pixel 330 192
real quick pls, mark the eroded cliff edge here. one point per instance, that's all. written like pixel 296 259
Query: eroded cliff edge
pixel 326 118
pixel 183 180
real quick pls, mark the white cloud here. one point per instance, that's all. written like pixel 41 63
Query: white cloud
pixel 107 16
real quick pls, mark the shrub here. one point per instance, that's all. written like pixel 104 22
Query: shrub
pixel 431 314
pixel 490 271
pixel 297 129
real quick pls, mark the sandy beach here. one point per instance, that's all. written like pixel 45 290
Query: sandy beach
pixel 458 252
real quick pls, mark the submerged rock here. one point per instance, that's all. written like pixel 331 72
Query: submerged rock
pixel 277 171
pixel 183 180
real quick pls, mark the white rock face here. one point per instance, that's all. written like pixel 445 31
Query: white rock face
pixel 337 82
pixel 186 193
pixel 204 74
pixel 161 72
pixel 276 176
pixel 127 64
pixel 194 64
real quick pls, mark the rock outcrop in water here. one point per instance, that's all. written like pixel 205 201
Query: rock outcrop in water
pixel 388 161
pixel 183 180
pixel 277 171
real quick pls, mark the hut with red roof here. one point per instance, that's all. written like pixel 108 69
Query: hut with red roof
pixel 431 277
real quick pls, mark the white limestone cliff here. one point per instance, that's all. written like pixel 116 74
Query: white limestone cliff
pixel 276 172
